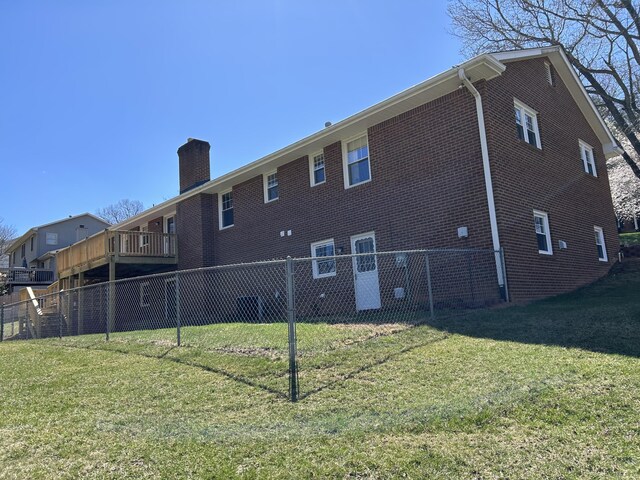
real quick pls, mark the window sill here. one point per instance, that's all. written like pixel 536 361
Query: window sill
pixel 347 187
pixel 227 227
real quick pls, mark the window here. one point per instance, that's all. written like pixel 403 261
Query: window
pixel 226 209
pixel 144 294
pixel 602 250
pixel 51 238
pixel 549 72
pixel 527 124
pixel 32 243
pixel 316 166
pixel 356 161
pixel 23 250
pixel 323 268
pixel 588 162
pixel 270 187
pixel 541 221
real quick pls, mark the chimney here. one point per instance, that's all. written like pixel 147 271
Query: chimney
pixel 193 158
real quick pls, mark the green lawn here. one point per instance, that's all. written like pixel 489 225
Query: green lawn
pixel 548 390
pixel 630 238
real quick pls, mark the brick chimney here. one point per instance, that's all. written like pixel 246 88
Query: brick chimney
pixel 193 158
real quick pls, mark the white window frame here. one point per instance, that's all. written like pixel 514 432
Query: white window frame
pixel 312 168
pixel 600 236
pixel 314 264
pixel 51 238
pixel 527 110
pixel 547 232
pixel 144 291
pixel 265 186
pixel 587 160
pixel 220 210
pixel 345 160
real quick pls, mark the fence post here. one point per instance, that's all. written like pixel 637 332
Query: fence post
pixel 291 320
pixel 178 307
pixel 430 290
pixel 504 276
pixel 2 322
pixel 59 314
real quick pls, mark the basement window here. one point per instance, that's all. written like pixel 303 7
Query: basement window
pixel 144 295
pixel 527 124
pixel 602 250
pixel 543 235
pixel 323 268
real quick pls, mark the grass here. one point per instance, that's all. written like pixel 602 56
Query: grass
pixel 547 390
pixel 632 238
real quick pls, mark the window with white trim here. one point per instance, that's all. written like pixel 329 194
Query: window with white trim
pixel 323 268
pixel 144 295
pixel 357 169
pixel 543 235
pixel 602 249
pixel 527 124
pixel 588 161
pixel 316 168
pixel 270 181
pixel 51 238
pixel 225 203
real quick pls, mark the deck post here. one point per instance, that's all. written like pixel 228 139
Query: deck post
pixel 80 304
pixel 291 320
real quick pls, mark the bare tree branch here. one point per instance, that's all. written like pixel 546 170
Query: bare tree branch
pixel 120 211
pixel 600 38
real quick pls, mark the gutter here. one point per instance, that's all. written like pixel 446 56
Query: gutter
pixel 495 237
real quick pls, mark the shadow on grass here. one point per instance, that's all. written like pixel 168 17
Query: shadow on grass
pixel 602 317
pixel 164 356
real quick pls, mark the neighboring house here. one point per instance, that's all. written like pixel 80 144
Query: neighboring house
pixel 508 145
pixel 31 257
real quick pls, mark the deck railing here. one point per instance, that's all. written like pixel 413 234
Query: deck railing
pixel 117 243
pixel 25 276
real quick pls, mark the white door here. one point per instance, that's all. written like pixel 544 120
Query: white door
pixel 365 272
pixel 169 227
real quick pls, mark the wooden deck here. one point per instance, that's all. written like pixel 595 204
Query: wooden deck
pixel 117 246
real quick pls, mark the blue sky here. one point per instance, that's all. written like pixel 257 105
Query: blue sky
pixel 96 97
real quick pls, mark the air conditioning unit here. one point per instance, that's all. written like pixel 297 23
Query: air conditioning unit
pixel 250 309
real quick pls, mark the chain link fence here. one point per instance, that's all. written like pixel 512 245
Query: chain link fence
pixel 292 327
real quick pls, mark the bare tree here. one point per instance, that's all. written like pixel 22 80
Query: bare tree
pixel 120 211
pixel 600 38
pixel 7 233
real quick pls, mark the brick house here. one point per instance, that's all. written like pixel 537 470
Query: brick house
pixel 505 151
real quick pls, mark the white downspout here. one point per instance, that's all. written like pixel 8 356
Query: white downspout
pixel 487 177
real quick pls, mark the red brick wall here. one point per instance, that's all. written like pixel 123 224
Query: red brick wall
pixel 425 183
pixel 195 219
pixel 552 180
pixel 193 164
